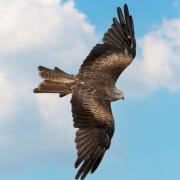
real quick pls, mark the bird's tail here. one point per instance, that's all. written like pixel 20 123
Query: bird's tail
pixel 55 81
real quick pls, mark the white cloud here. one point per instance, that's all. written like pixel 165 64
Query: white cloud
pixel 11 93
pixel 34 32
pixel 157 64
pixel 5 96
pixel 57 118
pixel 41 26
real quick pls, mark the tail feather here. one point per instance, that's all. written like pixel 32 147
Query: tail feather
pixel 56 75
pixel 56 81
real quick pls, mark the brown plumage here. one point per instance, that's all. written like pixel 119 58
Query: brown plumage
pixel 93 90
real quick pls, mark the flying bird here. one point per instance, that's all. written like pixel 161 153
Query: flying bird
pixel 93 89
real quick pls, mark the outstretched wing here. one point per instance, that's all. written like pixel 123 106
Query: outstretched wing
pixel 117 51
pixel 94 119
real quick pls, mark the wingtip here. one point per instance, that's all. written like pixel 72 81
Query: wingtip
pixel 114 19
pixel 126 9
pixel 120 15
pixel 125 5
pixel 119 9
pixel 76 164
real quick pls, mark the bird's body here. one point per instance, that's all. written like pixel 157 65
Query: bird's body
pixel 93 89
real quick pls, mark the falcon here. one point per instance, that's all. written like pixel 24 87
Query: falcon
pixel 93 89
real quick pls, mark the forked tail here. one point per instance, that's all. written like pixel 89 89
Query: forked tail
pixel 55 81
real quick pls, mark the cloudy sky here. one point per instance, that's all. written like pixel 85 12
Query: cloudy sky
pixel 36 134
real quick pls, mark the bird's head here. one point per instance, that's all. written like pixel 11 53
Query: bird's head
pixel 120 95
pixel 117 94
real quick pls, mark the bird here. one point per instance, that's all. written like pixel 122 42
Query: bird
pixel 93 90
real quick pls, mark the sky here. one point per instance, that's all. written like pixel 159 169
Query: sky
pixel 36 131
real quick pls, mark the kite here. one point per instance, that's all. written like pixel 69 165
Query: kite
pixel 93 89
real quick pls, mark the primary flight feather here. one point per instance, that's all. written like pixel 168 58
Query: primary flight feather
pixel 93 89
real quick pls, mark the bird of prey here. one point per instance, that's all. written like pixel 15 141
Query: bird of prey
pixel 93 89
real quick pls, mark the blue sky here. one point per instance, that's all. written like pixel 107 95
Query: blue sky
pixel 36 138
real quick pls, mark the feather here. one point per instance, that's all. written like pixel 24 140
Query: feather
pixel 127 18
pixel 120 15
pixel 85 154
pixel 98 161
pixel 92 159
pixel 56 81
pixel 119 28
pixel 81 168
pixel 132 28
